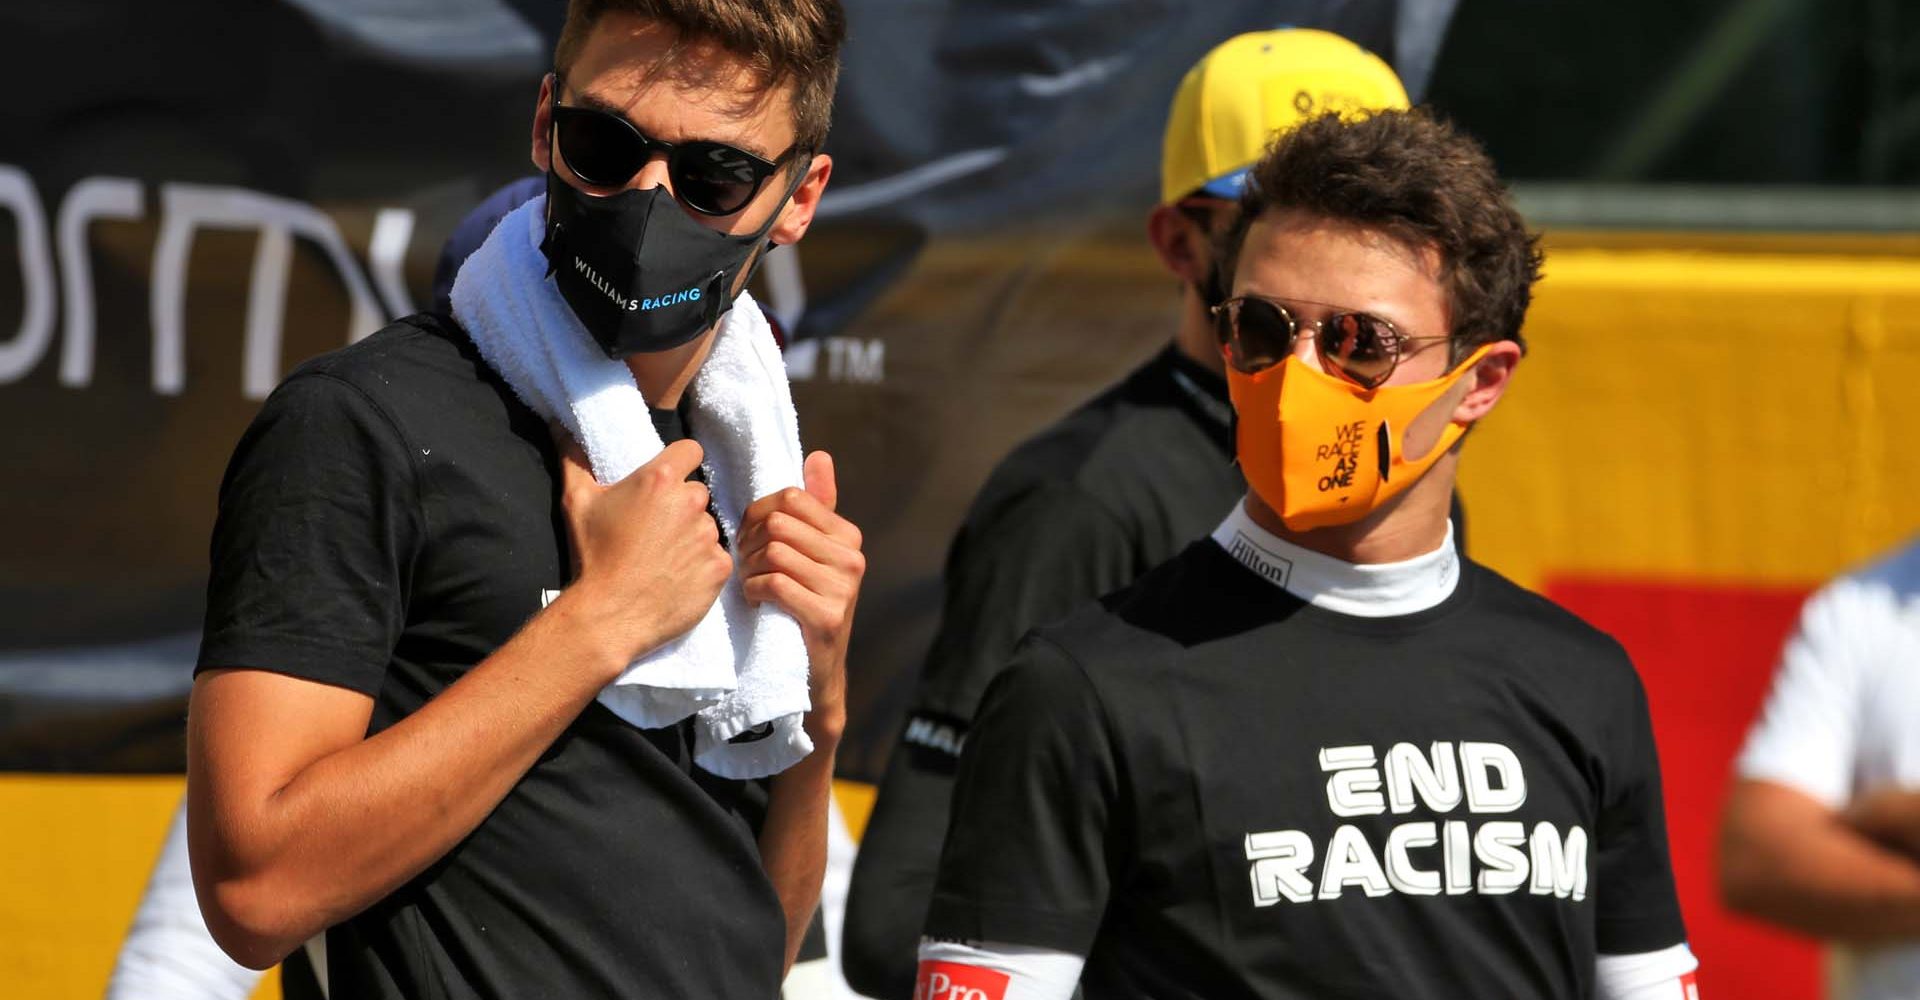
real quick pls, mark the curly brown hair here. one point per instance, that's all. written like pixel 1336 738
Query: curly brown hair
pixel 782 40
pixel 1419 180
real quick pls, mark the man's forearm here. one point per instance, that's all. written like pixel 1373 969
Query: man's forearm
pixel 793 841
pixel 1813 873
pixel 278 858
pixel 1891 817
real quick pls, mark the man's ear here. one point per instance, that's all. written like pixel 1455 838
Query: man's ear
pixel 1487 382
pixel 797 215
pixel 542 149
pixel 1180 244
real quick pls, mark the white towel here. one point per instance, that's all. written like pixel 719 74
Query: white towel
pixel 742 666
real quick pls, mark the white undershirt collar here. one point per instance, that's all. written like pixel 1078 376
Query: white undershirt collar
pixel 1377 590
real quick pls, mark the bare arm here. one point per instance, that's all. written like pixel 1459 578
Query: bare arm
pixel 1891 818
pixel 298 820
pixel 798 553
pixel 793 842
pixel 1788 859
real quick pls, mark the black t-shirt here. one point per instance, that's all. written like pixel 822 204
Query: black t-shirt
pixel 389 519
pixel 1082 509
pixel 1212 789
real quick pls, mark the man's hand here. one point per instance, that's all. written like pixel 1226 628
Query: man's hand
pixel 647 555
pixel 1787 858
pixel 1891 817
pixel 300 820
pixel 798 553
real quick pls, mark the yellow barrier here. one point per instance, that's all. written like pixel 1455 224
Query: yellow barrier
pixel 1739 415
pixel 75 853
pixel 855 799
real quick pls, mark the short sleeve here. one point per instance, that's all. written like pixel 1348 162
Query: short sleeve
pixel 1019 563
pixel 1805 737
pixel 316 533
pixel 1027 858
pixel 1030 552
pixel 1636 906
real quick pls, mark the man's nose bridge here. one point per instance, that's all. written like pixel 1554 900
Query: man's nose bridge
pixel 653 173
pixel 1306 338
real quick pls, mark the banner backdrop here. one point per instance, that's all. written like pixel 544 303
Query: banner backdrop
pixel 197 195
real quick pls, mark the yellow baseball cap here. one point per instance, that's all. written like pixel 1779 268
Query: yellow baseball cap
pixel 1251 86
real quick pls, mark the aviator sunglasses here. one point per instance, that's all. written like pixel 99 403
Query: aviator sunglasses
pixel 606 150
pixel 1359 347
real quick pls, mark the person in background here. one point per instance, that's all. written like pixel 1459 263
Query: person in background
pixel 473 229
pixel 1821 834
pixel 1119 485
pixel 1320 753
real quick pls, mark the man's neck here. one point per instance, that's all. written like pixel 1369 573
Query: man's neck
pixel 663 376
pixel 1412 524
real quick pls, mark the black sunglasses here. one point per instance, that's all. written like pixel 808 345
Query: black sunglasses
pixel 1359 347
pixel 606 150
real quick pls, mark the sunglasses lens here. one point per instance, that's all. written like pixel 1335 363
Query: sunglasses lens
pixel 599 148
pixel 715 178
pixel 1259 334
pixel 1365 348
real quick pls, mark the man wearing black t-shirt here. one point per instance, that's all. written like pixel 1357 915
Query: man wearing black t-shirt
pixel 1117 487
pixel 419 590
pixel 1320 754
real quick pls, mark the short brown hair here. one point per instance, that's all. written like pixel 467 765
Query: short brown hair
pixel 1419 180
pixel 782 40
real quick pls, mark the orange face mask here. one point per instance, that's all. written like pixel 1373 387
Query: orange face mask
pixel 1322 451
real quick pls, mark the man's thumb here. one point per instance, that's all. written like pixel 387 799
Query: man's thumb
pixel 820 480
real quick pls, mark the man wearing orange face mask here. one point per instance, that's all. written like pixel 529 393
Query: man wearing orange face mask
pixel 1112 490
pixel 1320 753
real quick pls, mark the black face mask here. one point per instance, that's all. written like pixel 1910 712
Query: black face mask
pixel 639 273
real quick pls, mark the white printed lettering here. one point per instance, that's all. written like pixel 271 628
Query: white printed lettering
pixel 1457 855
pixel 92 198
pixel 1280 859
pixel 1400 868
pixel 1354 787
pixel 1503 866
pixel 1560 870
pixel 19 354
pixel 1437 779
pixel 186 208
pixel 1350 861
pixel 1481 761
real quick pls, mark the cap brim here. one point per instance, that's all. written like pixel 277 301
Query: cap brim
pixel 1228 186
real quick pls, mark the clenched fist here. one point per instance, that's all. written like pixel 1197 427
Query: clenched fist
pixel 647 556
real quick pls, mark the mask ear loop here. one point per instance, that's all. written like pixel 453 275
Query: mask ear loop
pixel 551 239
pixel 716 285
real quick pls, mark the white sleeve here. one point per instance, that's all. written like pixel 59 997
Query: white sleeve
pixel 1806 735
pixel 951 970
pixel 1666 974
pixel 169 955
